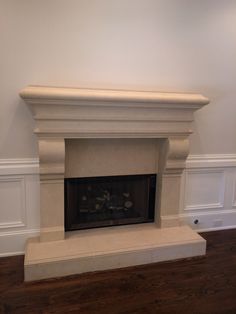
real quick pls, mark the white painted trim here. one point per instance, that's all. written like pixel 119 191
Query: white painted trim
pixel 23 221
pixel 211 220
pixel 234 194
pixel 14 233
pixel 206 219
pixel 19 166
pixel 211 161
pixel 13 243
pixel 206 206
pixel 210 206
pixel 220 212
pixel 216 229
pixel 220 215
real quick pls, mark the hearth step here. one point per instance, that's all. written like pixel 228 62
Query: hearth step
pixel 108 248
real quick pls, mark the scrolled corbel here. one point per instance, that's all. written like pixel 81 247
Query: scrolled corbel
pixel 52 157
pixel 174 154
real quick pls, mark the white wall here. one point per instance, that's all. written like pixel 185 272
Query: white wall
pixel 175 45
pixel 163 45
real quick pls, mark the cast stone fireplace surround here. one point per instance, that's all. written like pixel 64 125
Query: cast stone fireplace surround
pixel 68 118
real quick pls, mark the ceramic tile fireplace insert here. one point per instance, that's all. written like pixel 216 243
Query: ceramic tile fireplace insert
pixel 111 163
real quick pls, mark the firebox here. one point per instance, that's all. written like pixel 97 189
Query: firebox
pixel 108 201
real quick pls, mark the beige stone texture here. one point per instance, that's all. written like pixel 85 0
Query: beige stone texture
pixel 108 248
pixel 85 132
pixel 107 157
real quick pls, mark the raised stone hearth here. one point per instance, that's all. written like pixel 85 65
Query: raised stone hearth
pixel 89 132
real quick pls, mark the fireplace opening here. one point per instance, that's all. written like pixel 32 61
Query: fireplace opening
pixel 93 202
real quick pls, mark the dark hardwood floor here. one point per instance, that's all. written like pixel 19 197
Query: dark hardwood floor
pixel 197 285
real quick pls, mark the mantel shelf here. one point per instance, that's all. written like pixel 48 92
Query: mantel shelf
pixel 44 93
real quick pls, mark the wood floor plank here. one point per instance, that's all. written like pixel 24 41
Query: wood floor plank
pixel 198 285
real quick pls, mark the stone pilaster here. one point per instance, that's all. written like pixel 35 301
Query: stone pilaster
pixel 173 155
pixel 52 168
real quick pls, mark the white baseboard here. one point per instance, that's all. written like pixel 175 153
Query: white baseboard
pixel 13 243
pixel 210 221
pixel 204 221
pixel 209 195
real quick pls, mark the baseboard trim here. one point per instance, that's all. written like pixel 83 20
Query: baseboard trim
pixel 210 220
pixel 207 221
pixel 8 254
pixel 216 229
pixel 13 243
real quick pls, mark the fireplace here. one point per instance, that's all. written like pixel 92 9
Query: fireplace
pixel 109 201
pixel 99 146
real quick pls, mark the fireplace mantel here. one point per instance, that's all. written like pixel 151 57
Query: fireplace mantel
pixel 74 112
pixel 62 114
